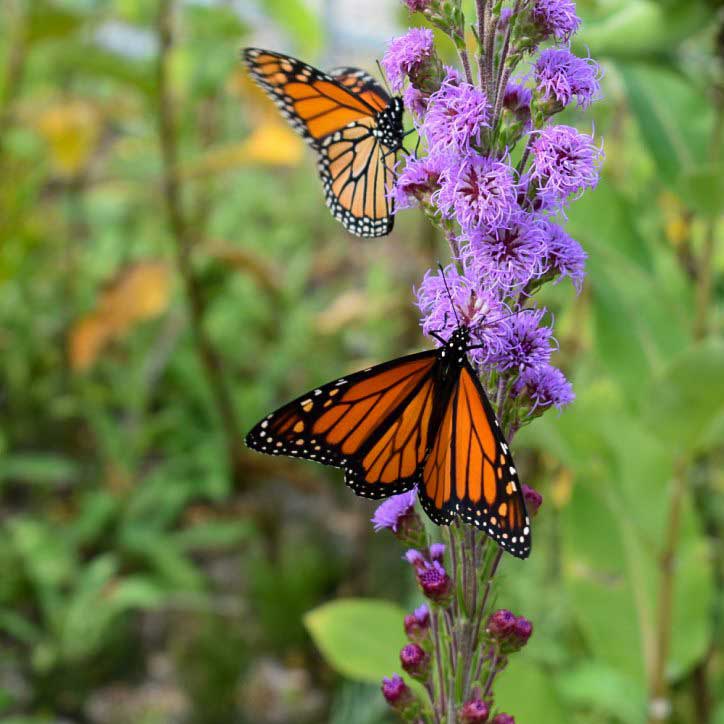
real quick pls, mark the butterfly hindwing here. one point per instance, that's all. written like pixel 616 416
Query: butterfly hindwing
pixel 352 124
pixel 357 172
pixel 470 473
pixel 373 423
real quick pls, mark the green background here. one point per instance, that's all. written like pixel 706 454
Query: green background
pixel 151 569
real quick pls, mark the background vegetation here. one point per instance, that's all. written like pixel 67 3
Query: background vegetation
pixel 168 274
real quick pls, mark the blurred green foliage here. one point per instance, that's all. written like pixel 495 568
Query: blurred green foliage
pixel 149 577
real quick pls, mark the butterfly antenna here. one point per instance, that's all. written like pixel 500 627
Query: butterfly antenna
pixel 384 77
pixel 512 314
pixel 447 289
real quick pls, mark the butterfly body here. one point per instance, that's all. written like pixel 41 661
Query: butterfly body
pixel 421 421
pixel 351 123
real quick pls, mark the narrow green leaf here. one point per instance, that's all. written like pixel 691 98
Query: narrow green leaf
pixel 688 399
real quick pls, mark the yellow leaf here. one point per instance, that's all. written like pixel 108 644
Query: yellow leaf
pixel 562 488
pixel 139 292
pixel 271 145
pixel 71 130
pixel 274 144
pixel 87 338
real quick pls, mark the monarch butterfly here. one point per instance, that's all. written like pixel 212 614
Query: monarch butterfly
pixel 352 124
pixel 422 421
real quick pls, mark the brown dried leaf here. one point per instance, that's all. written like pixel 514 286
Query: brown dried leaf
pixel 137 293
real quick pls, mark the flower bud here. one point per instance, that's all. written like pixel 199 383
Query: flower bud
pixel 415 661
pixel 504 20
pixel 398 514
pixel 435 582
pixel 475 711
pixel 396 692
pixel 415 558
pixel 417 6
pixel 501 624
pixel 522 631
pixel 417 624
pixel 437 552
pixel 533 499
pixel 503 719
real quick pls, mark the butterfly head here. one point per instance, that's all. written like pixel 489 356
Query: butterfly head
pixel 389 124
pixel 456 346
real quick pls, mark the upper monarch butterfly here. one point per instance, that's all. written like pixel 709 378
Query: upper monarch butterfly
pixel 421 420
pixel 352 124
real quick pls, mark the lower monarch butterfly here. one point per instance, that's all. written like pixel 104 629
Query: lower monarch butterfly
pixel 422 421
pixel 352 124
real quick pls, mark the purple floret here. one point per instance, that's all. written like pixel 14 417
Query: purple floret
pixel 562 77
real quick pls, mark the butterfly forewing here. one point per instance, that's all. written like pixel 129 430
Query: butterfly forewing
pixel 353 126
pixel 361 83
pixel 470 472
pixel 373 423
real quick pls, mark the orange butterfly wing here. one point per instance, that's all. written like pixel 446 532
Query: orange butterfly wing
pixel 338 116
pixel 470 473
pixel 312 101
pixel 361 83
pixel 374 424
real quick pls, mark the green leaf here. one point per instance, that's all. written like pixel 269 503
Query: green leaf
pixel 213 535
pixel 637 28
pixel 359 638
pixel 300 22
pixel 540 704
pixel 688 398
pixel 702 189
pixel 594 685
pixel 673 116
pixel 37 468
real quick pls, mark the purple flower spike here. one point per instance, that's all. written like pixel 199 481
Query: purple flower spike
pixel 562 76
pixel 396 691
pixel 503 719
pixel 474 305
pixel 517 100
pixel 419 178
pixel 556 18
pixel 510 257
pixel 533 500
pixel 415 661
pixel 528 344
pixel 406 54
pixel 545 386
pixel 565 163
pixel 456 116
pixel 415 101
pixel 479 192
pixel 475 711
pixel 564 256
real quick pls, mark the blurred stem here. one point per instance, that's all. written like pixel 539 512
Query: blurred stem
pixel 705 277
pixel 659 698
pixel 183 240
pixel 14 65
